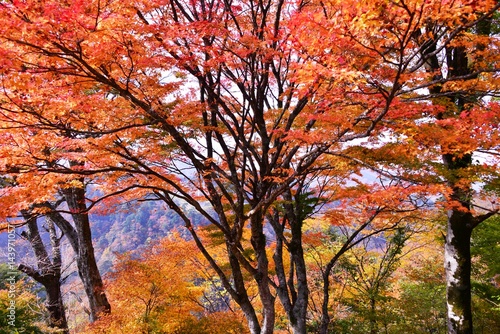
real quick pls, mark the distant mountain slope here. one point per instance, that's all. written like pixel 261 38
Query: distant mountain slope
pixel 129 229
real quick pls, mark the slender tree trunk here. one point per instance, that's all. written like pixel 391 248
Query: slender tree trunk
pixel 373 316
pixel 48 272
pixel 55 303
pixel 300 297
pixel 325 316
pixel 242 298
pixel 252 321
pixel 297 213
pixel 236 288
pixel 293 295
pixel 298 315
pixel 293 291
pixel 267 299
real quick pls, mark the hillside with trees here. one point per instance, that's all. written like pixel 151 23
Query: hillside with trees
pixel 325 161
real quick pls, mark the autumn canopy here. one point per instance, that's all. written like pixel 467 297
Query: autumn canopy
pixel 257 115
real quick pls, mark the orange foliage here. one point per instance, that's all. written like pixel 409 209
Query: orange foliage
pixel 233 106
pixel 156 292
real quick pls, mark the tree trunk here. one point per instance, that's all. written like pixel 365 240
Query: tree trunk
pixel 293 296
pixel 373 316
pixel 298 315
pixel 54 303
pixel 460 221
pixel 242 298
pixel 351 241
pixel 252 321
pixel 48 272
pixel 458 270
pixel 55 306
pixel 267 299
pixel 293 291
pixel 457 255
pixel 297 213
pixel 86 262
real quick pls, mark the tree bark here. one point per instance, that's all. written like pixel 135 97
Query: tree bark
pixel 86 262
pixel 457 258
pixel 261 276
pixel 242 298
pixel 298 314
pixel 55 306
pixel 48 272
pixel 458 271
pixel 373 315
pixel 293 291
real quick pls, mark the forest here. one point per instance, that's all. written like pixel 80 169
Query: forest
pixel 250 166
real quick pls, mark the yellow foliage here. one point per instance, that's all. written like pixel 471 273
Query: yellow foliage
pixel 156 293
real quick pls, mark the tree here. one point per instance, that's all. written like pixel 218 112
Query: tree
pixel 227 107
pixel 330 248
pixel 79 236
pixel 155 292
pixel 81 242
pixel 80 239
pixel 433 62
pixel 48 271
pixel 240 140
pixel 421 290
pixel 369 269
pixel 461 106
pixel 486 262
pixel 28 308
